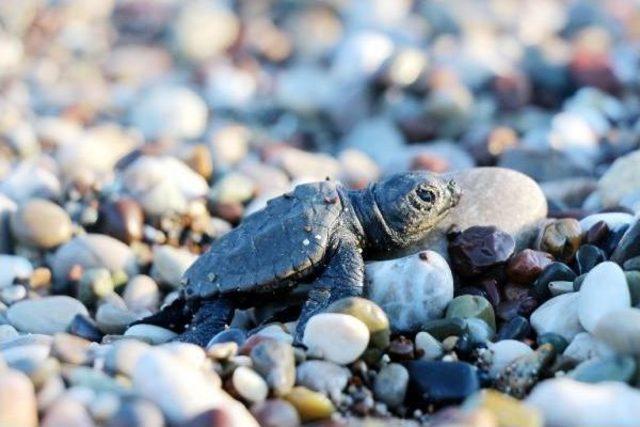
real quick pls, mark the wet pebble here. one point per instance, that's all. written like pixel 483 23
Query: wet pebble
pixel 561 238
pixel 122 219
pixel 516 328
pixel 276 413
pixel 348 340
pixel 587 257
pixel 526 266
pixel 553 272
pixel 478 249
pixel 440 382
pixel 411 290
pixel 628 246
pixel 85 327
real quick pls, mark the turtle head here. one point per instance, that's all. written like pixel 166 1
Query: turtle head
pixel 411 204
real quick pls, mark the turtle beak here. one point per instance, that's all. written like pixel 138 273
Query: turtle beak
pixel 455 192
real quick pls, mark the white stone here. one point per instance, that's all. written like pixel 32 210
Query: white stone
pixel 46 315
pixel 584 347
pixel 182 391
pixel 568 403
pixel 620 329
pixel 249 384
pixel 325 377
pixel 411 290
pixel 431 348
pixel 169 264
pixel 141 293
pixel 505 352
pixel 13 267
pixel 339 338
pixel 123 355
pixel 558 315
pixel 620 180
pixel 604 290
pixel 275 332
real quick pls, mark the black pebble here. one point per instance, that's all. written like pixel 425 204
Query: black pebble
pixel 437 382
pixel 84 327
pixel 515 329
pixel 553 272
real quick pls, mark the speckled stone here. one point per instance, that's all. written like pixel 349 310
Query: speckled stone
pixel 521 374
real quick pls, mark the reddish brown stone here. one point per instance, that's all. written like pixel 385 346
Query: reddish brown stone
pixel 525 267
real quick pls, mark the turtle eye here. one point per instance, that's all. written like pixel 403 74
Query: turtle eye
pixel 426 195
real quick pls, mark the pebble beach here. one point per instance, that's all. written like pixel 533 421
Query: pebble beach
pixel 135 133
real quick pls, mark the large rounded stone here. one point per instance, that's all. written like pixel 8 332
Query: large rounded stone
pixel 621 330
pixel 339 338
pixel 411 290
pixel 504 198
pixel 42 224
pixel 621 179
pixel 18 405
pixel 370 314
pixel 558 315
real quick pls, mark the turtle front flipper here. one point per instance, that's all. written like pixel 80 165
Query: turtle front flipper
pixel 175 316
pixel 343 277
pixel 212 317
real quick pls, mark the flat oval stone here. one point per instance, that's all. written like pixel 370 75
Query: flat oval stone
pixel 471 306
pixel 150 333
pixel 42 224
pixel 587 257
pixel 604 290
pixel 553 272
pixel 276 413
pixel 275 361
pixel 411 290
pixel 348 339
pixel 46 315
pixel 629 245
pixel 311 405
pixel 249 385
pixel 369 313
pixel 614 368
pixel 391 383
pixel 560 237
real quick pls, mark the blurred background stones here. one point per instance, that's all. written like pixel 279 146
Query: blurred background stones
pixel 133 133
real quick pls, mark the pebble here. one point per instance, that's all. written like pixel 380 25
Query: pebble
pixel 553 272
pixel 614 368
pixel 558 342
pixel 564 402
pixel 347 341
pixel 274 360
pixel 46 315
pixel 520 375
pixel 41 224
pixel 621 179
pixel 390 385
pixel 506 410
pixel 170 111
pixel 150 333
pixel 471 306
pixel 587 257
pixel 322 376
pixel 411 290
pixel 276 413
pixel 85 327
pixel 560 238
pixel 70 349
pixel 478 249
pixel 498 197
pixel 113 317
pixel 169 264
pixel 249 385
pixel 95 284
pixel 18 405
pixel 429 347
pixel 438 382
pixel 628 246
pixel 137 413
pixel 163 185
pixel 311 406
pixel 122 219
pixel 181 391
pixel 7 332
pixel 633 281
pixel 516 328
pixel 584 346
pixel 504 353
pixel 558 315
pixel 620 329
pixel 67 411
pixel 92 251
pixel 604 290
pixel 525 266
pixel 13 267
pixel 370 314
pixel 614 220
pixel 141 294
pixel 123 355
pixel 443 328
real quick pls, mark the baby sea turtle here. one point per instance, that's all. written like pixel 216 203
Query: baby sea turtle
pixel 319 233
